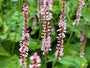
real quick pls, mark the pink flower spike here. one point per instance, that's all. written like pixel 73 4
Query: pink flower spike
pixel 25 38
pixel 78 14
pixel 82 51
pixel 62 30
pixel 46 41
pixel 25 5
pixel 36 61
pixel 40 7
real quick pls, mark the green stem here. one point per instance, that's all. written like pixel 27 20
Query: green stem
pixel 40 32
pixel 1 2
pixel 16 29
pixel 45 62
pixel 11 4
pixel 54 63
pixel 67 44
pixel 14 42
pixel 71 38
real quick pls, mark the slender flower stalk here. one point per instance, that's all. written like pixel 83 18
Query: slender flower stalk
pixel 25 38
pixel 62 30
pixel 82 51
pixel 36 61
pixel 46 41
pixel 34 22
pixel 82 35
pixel 78 14
pixel 39 9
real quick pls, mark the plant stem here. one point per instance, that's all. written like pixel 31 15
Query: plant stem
pixel 45 62
pixel 14 42
pixel 67 44
pixel 40 32
pixel 54 63
pixel 10 4
pixel 71 38
pixel 16 29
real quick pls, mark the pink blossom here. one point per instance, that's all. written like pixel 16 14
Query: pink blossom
pixel 82 51
pixel 62 30
pixel 46 41
pixel 25 38
pixel 36 61
pixel 78 14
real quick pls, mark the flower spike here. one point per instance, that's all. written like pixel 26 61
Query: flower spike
pixel 62 30
pixel 25 38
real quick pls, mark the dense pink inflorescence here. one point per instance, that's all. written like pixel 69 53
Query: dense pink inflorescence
pixel 62 30
pixel 76 22
pixel 82 51
pixel 36 61
pixel 46 41
pixel 25 38
pixel 34 22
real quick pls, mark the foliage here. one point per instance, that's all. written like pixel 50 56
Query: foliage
pixel 11 26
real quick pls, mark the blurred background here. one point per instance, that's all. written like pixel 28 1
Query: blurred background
pixel 11 26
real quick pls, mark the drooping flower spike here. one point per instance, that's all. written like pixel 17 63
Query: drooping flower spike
pixel 78 14
pixel 35 61
pixel 25 38
pixel 46 41
pixel 62 30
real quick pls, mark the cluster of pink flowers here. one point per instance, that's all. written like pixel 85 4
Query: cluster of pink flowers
pixel 25 38
pixel 76 22
pixel 44 6
pixel 34 22
pixel 62 30
pixel 46 42
pixel 82 51
pixel 36 61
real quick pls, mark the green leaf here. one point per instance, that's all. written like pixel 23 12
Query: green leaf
pixel 14 62
pixel 86 14
pixel 73 62
pixel 9 62
pixel 12 37
pixel 4 61
pixel 33 31
pixel 34 44
pixel 0 22
pixel 87 53
pixel 3 36
pixel 3 52
pixel 76 47
pixel 5 28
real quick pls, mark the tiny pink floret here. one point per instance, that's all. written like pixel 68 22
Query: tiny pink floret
pixel 35 61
